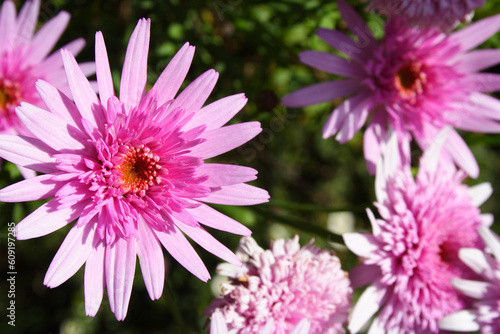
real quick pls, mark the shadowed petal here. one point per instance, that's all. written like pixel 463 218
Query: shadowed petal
pixel 237 194
pixel 7 25
pixel 356 24
pixel 151 261
pixel 32 189
pixel 331 63
pixel 364 274
pixel 322 92
pixel 222 174
pixel 341 42
pixel 58 103
pixel 28 152
pixel 367 305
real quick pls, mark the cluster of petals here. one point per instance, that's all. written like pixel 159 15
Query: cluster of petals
pixel 283 289
pixel 412 81
pixel 445 14
pixel 412 254
pixel 131 171
pixel 484 315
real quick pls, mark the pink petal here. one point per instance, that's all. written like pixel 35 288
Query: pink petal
pixel 192 98
pixel 58 103
pixel 461 154
pixel 27 152
pixel 85 98
pixel 322 92
pixel 181 250
pixel 218 113
pixel 47 219
pixel 32 189
pixel 485 105
pixel 302 327
pixel 354 120
pixel 94 280
pixel 103 72
pixel 74 251
pixel 355 23
pixel 375 133
pixel 50 67
pixel 331 63
pixel 225 139
pixel 151 260
pixel 135 66
pixel 366 306
pixel 119 266
pixel 474 123
pixel 476 33
pixel 483 82
pixel 341 42
pixel 209 243
pixel 214 219
pixel 27 20
pixel 222 174
pixel 237 194
pixel 361 244
pixel 56 132
pixel 7 25
pixel 217 323
pixel 174 74
pixel 478 60
pixel 46 38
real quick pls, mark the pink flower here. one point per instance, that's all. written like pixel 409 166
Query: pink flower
pixel 413 252
pixel 131 171
pixel 485 312
pixel 445 14
pixel 24 58
pixel 412 81
pixel 283 289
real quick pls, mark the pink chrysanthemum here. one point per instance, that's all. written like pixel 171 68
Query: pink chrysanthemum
pixel 413 251
pixel 485 312
pixel 413 81
pixel 24 58
pixel 279 287
pixel 445 14
pixel 131 171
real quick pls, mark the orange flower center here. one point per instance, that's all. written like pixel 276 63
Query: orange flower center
pixel 410 80
pixel 139 170
pixel 10 94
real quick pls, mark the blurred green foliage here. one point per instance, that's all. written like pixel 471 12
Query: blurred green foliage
pixel 255 46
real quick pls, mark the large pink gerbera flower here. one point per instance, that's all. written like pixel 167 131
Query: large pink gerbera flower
pixel 131 171
pixel 282 289
pixel 413 81
pixel 413 252
pixel 24 58
pixel 484 315
pixel 445 14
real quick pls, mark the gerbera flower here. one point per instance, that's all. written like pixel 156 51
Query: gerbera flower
pixel 412 81
pixel 445 14
pixel 131 171
pixel 282 289
pixel 485 312
pixel 413 252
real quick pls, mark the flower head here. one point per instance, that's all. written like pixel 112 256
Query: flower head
pixel 412 81
pixel 277 289
pixel 131 171
pixel 413 252
pixel 445 14
pixel 484 314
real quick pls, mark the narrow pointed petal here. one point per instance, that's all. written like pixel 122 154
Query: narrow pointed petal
pixel 492 240
pixel 480 193
pixel 7 25
pixel 51 66
pixel 361 244
pixel 485 105
pixel 322 92
pixel 33 189
pixel 331 63
pixel 151 261
pixel 120 259
pixel 474 289
pixel 237 194
pixel 74 251
pixel 28 152
pixel 47 219
pixel 135 66
pixel 476 33
pixel 58 103
pixel 341 42
pixel 182 251
pixel 431 157
pixel 478 60
pixel 461 154
pixel 356 24
pixel 214 219
pixel 374 135
pixel 483 82
pixel 222 174
pixel 218 113
pixel 194 96
pixel 46 38
pixel 27 20
pixel 355 119
pixel 217 323
pixel 462 321
pixel 367 305
pixel 209 243
pixel 94 280
pixel 174 74
pixel 103 72
pixel 217 140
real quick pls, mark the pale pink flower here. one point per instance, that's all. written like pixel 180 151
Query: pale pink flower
pixel 412 253
pixel 412 81
pixel 445 14
pixel 131 171
pixel 286 289
pixel 484 315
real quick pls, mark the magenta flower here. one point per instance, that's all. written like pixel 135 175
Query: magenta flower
pixel 412 81
pixel 24 58
pixel 484 314
pixel 283 289
pixel 413 252
pixel 131 171
pixel 445 14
